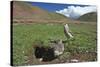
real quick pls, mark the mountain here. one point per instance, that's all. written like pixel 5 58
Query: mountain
pixel 91 17
pixel 24 11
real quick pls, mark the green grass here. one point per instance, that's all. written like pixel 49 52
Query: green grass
pixel 89 17
pixel 24 36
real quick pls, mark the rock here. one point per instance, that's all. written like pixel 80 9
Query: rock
pixel 74 60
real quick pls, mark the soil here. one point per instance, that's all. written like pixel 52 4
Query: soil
pixel 73 58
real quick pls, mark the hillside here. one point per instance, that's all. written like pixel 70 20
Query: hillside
pixel 23 11
pixel 91 17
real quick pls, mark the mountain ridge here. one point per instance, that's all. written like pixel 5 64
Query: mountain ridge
pixel 90 17
pixel 23 12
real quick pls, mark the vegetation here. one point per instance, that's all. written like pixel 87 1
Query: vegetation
pixel 34 26
pixel 25 36
pixel 24 11
pixel 91 17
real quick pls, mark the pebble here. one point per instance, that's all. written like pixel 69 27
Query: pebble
pixel 74 60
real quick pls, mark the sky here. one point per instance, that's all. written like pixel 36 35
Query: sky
pixel 72 11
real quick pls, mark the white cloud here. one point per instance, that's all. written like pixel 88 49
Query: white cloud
pixel 76 11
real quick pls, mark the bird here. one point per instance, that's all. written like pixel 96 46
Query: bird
pixel 67 32
pixel 58 47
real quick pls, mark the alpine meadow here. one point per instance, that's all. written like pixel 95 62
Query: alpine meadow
pixel 34 29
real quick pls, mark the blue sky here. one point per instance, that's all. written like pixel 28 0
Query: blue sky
pixel 72 11
pixel 53 6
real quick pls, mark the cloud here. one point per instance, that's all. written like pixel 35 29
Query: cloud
pixel 75 12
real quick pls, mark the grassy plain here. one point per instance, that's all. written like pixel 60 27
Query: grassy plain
pixel 26 35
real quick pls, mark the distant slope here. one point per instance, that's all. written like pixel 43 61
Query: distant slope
pixel 23 11
pixel 91 17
